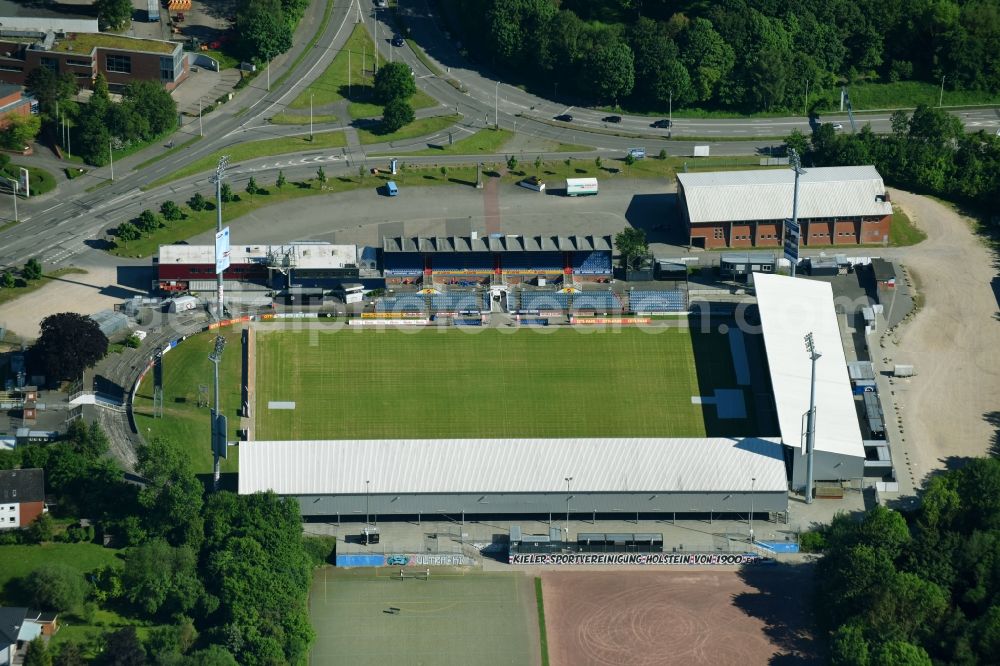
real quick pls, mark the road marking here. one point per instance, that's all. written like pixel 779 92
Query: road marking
pixel 50 208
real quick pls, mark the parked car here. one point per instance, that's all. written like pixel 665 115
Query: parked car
pixel 564 117
pixel 397 40
pixel 391 189
pixel 533 183
pixel 612 119
pixel 661 124
pixel 381 4
pixel 838 126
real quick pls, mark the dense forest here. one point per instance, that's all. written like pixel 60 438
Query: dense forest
pixel 740 55
pixel 902 591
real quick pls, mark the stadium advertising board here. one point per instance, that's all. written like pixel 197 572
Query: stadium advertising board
pixel 792 232
pixel 388 322
pixel 723 559
pixel 610 320
pixel 222 250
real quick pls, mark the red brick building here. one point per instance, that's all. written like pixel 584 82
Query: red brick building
pixel 13 102
pixel 22 497
pixel 837 206
pixel 85 55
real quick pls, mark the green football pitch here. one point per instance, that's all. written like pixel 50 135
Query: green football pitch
pixel 436 384
pixel 452 618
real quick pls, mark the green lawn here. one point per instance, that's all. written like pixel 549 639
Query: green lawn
pixel 486 141
pixel 19 561
pixel 452 619
pixel 254 149
pixel 907 94
pixel 419 127
pixel 392 384
pixel 332 85
pixel 298 119
pixel 903 232
pixel 184 369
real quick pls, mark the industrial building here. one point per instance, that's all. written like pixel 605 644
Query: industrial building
pixel 257 268
pixel 397 478
pixel 837 206
pixel 790 309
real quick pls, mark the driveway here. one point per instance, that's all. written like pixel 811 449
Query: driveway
pixel 953 342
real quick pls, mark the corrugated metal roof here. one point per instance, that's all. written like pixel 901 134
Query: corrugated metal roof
pixel 300 255
pixel 511 465
pixel 497 244
pixel 766 194
pixel 789 309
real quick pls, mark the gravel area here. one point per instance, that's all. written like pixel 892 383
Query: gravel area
pixel 953 342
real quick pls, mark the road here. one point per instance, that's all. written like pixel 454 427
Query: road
pixel 62 228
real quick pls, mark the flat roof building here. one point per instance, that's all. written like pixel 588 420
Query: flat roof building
pixel 791 308
pixel 837 206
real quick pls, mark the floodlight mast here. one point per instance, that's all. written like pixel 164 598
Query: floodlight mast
pixel 811 418
pixel 795 163
pixel 216 357
pixel 220 173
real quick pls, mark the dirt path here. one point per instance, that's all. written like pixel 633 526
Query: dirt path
pixel 954 341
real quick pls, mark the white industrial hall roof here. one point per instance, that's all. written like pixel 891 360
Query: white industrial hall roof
pixel 790 308
pixel 297 255
pixel 511 466
pixel 766 194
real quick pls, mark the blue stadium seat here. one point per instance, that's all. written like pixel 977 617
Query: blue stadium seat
pixel 657 301
pixel 544 300
pixel 466 302
pixel 400 304
pixel 592 263
pixel 601 301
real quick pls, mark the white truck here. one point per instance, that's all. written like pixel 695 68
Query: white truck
pixel 579 187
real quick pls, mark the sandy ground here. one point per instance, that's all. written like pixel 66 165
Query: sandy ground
pixel 86 293
pixel 675 616
pixel 953 342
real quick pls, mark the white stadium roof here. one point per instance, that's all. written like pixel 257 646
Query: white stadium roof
pixel 789 309
pixel 511 466
pixel 766 194
pixel 298 255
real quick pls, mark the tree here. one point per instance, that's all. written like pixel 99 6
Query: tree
pixel 226 193
pixel 252 188
pixel 321 176
pixel 37 653
pixel 612 71
pixel 511 162
pixel 444 171
pixel 7 280
pixel 20 131
pixel 280 182
pixel 69 343
pixel 170 211
pixel 160 579
pixel 126 231
pixel 394 81
pixel 629 161
pixel 198 202
pixel 115 14
pixel 214 655
pixel 597 161
pixel 263 30
pixel 123 648
pixel 172 497
pixel 798 141
pixel 538 163
pixel 631 244
pixel 396 114
pixel 41 529
pixel 56 587
pixel 70 654
pixel 50 89
pixel 32 270
pixel 848 647
pixel 149 101
pixel 899 653
pixel 147 221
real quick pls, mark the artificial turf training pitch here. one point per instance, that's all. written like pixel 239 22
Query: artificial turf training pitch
pixel 391 384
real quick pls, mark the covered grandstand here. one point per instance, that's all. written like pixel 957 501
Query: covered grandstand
pixel 470 259
pixel 519 476
pixel 790 309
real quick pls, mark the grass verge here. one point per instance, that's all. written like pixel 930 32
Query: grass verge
pixel 419 100
pixel 293 119
pixel 486 141
pixel 903 232
pixel 419 127
pixel 572 148
pixel 168 153
pixel 907 94
pixel 40 180
pixel 424 58
pixel 254 149
pixel 543 639
pixel 7 295
pixel 325 21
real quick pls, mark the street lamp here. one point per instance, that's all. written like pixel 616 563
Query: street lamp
pixel 569 480
pixel 753 482
pixel 367 513
pixel 13 191
pixel 941 95
pixel 111 155
pixel 311 116
pixel 496 105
